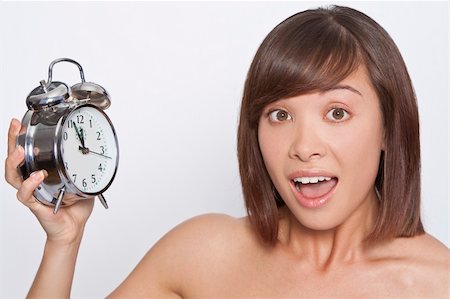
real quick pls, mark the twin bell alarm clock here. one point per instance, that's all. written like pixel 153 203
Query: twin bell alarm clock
pixel 66 133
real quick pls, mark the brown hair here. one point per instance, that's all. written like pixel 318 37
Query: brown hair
pixel 315 50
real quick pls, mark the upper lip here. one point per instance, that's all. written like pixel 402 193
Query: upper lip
pixel 310 173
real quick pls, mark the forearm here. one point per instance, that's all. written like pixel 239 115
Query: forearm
pixel 55 274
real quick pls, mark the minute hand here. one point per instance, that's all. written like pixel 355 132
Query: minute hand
pixel 90 151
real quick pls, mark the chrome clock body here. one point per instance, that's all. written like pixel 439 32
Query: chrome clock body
pixel 81 158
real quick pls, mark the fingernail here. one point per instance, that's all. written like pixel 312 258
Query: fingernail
pixel 37 175
pixel 14 120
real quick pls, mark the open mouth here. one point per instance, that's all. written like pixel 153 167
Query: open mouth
pixel 314 187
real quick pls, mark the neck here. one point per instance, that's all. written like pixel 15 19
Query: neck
pixel 324 249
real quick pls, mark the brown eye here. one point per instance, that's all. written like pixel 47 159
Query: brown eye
pixel 279 115
pixel 337 114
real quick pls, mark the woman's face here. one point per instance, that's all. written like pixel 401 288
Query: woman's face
pixel 322 150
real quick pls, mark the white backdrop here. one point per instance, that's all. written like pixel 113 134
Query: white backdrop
pixel 175 72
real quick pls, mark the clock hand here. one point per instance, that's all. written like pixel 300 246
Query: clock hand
pixel 100 154
pixel 89 151
pixel 80 135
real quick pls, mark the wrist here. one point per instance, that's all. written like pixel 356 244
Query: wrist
pixel 64 250
pixel 65 241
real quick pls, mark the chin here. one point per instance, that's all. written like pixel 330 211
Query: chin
pixel 320 225
pixel 319 220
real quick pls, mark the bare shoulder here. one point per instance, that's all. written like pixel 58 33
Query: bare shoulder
pixel 208 235
pixel 194 252
pixel 427 249
pixel 202 250
pixel 425 262
pixel 218 227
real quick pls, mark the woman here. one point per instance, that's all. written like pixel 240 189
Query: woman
pixel 328 129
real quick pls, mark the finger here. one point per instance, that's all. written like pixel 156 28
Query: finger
pixel 25 193
pixel 14 129
pixel 12 175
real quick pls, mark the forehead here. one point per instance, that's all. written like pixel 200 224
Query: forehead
pixel 356 85
pixel 357 81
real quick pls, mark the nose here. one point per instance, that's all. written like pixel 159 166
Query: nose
pixel 307 143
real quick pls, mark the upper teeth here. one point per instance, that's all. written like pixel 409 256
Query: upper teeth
pixel 312 179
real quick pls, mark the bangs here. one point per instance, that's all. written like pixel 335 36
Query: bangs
pixel 314 54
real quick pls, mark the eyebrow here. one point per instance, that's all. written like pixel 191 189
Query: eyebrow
pixel 343 86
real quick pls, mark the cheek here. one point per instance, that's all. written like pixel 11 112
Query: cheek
pixel 268 151
pixel 272 148
pixel 359 151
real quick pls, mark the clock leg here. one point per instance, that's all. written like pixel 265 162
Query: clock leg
pixel 103 200
pixel 59 199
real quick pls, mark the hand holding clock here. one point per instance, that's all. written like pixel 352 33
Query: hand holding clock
pixel 65 227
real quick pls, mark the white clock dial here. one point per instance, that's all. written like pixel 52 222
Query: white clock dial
pixel 89 149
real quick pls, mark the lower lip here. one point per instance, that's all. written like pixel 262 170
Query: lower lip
pixel 313 203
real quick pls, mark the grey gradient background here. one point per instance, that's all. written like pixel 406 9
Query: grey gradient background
pixel 176 72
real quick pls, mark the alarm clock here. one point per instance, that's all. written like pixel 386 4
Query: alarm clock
pixel 66 132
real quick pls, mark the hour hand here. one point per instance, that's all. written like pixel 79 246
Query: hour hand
pixel 80 135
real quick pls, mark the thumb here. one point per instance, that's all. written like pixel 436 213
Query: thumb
pixel 25 192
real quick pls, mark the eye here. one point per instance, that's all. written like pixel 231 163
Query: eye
pixel 337 114
pixel 279 115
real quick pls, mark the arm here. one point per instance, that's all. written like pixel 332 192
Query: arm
pixel 64 234
pixel 64 230
pixel 55 274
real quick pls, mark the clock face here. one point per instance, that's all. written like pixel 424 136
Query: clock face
pixel 89 149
